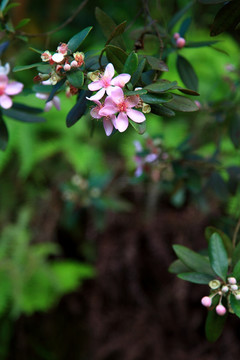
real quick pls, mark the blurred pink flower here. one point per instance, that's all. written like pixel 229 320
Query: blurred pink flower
pixel 54 102
pixel 117 103
pixel 107 120
pixel 8 89
pixel 106 82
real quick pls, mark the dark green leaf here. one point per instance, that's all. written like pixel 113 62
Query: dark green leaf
pixel 25 67
pixel 235 304
pixel 208 2
pixel 131 63
pixel 55 89
pixel 135 92
pixel 116 56
pixel 178 15
pixel 160 86
pixel 140 128
pixel 214 325
pixel 162 111
pixel 234 130
pixel 185 26
pixel 3 4
pixel 218 256
pixel 178 267
pixel 187 73
pixel 117 32
pixel 42 88
pixel 227 18
pixel 156 99
pixel 9 7
pixel 76 78
pixel 3 47
pixel 187 91
pixel 196 278
pixel 236 271
pixel 196 262
pixel 197 44
pixel 22 23
pixel 137 74
pixel 44 68
pixel 26 108
pixel 157 64
pixel 181 103
pixel 108 26
pixel 22 116
pixel 218 186
pixel 3 134
pixel 77 39
pixel 79 108
pixel 148 77
pixel 226 240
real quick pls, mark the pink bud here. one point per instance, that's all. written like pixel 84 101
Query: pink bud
pixel 198 104
pixel 232 280
pixel 74 63
pixel 220 310
pixel 67 67
pixel 176 36
pixel 180 42
pixel 206 301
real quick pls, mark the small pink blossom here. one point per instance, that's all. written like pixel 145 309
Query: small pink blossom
pixel 180 42
pixel 117 103
pixel 74 63
pixel 8 89
pixel 107 120
pixel 232 280
pixel 54 102
pixel 206 301
pixel 220 310
pixel 106 82
pixel 46 56
pixel 62 48
pixel 67 67
pixel 176 36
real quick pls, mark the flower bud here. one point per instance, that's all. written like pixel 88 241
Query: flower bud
pixel 214 284
pixel 67 67
pixel 232 280
pixel 79 57
pixel 220 310
pixel 180 42
pixel 74 63
pixel 234 287
pixel 62 48
pixel 237 296
pixel 225 289
pixel 206 301
pixel 176 36
pixel 46 56
pixel 198 104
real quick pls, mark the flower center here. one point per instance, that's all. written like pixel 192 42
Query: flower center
pixel 122 107
pixel 105 82
pixel 2 89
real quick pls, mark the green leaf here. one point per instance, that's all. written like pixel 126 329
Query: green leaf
pixel 131 63
pixel 157 64
pixel 178 15
pixel 193 260
pixel 3 134
pixel 26 108
pixel 25 67
pixel 9 7
pixel 235 304
pixel 227 18
pixel 187 73
pixel 135 92
pixel 138 73
pixel 208 2
pixel 76 78
pixel 156 99
pixel 234 130
pixel 55 89
pixel 22 23
pixel 162 111
pixel 22 116
pixel 188 91
pixel 185 26
pixel 3 47
pixel 117 32
pixel 140 128
pixel 3 4
pixel 36 50
pixel 236 254
pixel 214 325
pixel 226 240
pixel 197 44
pixel 108 27
pixel 236 271
pixel 79 108
pixel 160 86
pixel 177 267
pixel 116 56
pixel 196 278
pixel 181 103
pixel 76 40
pixel 218 256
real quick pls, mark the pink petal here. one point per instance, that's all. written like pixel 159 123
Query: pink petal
pixel 136 115
pixel 121 80
pixel 107 110
pixel 5 101
pixel 109 71
pixel 122 122
pixel 95 85
pixel 95 113
pixel 3 81
pixel 117 95
pixel 98 95
pixel 108 126
pixel 14 88
pixel 132 101
pixel 56 102
pixel 42 96
pixel 48 106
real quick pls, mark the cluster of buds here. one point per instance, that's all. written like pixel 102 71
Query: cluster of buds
pixel 152 159
pixel 115 108
pixel 61 62
pixel 180 41
pixel 222 290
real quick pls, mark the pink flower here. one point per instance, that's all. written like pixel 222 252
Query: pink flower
pixel 54 102
pixel 117 103
pixel 8 89
pixel 62 48
pixel 107 120
pixel 106 82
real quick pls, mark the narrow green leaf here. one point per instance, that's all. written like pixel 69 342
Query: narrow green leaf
pixel 22 23
pixel 178 15
pixel 196 278
pixel 116 56
pixel 236 271
pixel 227 18
pixel 136 76
pixel 181 103
pixel 185 26
pixel 197 44
pixel 76 78
pixel 26 108
pixel 76 40
pixel 214 325
pixel 162 111
pixel 36 50
pixel 187 73
pixel 79 108
pixel 117 32
pixel 156 99
pixel 131 63
pixel 218 256
pixel 3 134
pixel 9 7
pixel 135 92
pixel 160 86
pixel 187 91
pixel 139 128
pixel 55 89
pixel 226 240
pixel 193 260
pixel 3 4
pixel 26 67
pixel 23 116
pixel 157 64
pixel 178 267
pixel 235 304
